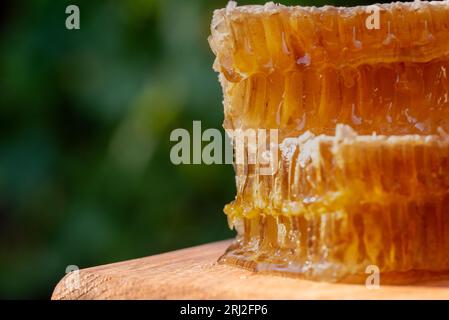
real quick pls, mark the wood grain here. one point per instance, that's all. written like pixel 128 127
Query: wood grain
pixel 194 274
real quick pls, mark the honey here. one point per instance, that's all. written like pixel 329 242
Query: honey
pixel 362 176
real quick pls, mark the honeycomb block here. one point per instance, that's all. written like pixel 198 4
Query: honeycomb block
pixel 362 173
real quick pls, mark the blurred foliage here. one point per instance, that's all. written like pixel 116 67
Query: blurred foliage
pixel 85 119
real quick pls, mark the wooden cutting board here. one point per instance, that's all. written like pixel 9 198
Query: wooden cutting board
pixel 194 274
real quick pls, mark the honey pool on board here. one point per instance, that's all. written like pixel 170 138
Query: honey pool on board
pixel 362 176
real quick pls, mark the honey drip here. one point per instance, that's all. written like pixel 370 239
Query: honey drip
pixel 363 171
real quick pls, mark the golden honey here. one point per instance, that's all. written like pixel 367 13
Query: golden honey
pixel 362 176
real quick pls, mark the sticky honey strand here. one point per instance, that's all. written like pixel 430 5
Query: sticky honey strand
pixel 339 247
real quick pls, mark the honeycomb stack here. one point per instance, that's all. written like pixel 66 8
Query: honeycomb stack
pixel 362 176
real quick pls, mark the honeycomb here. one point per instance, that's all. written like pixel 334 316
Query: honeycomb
pixel 362 114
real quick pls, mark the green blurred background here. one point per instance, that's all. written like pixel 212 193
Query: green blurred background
pixel 85 119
